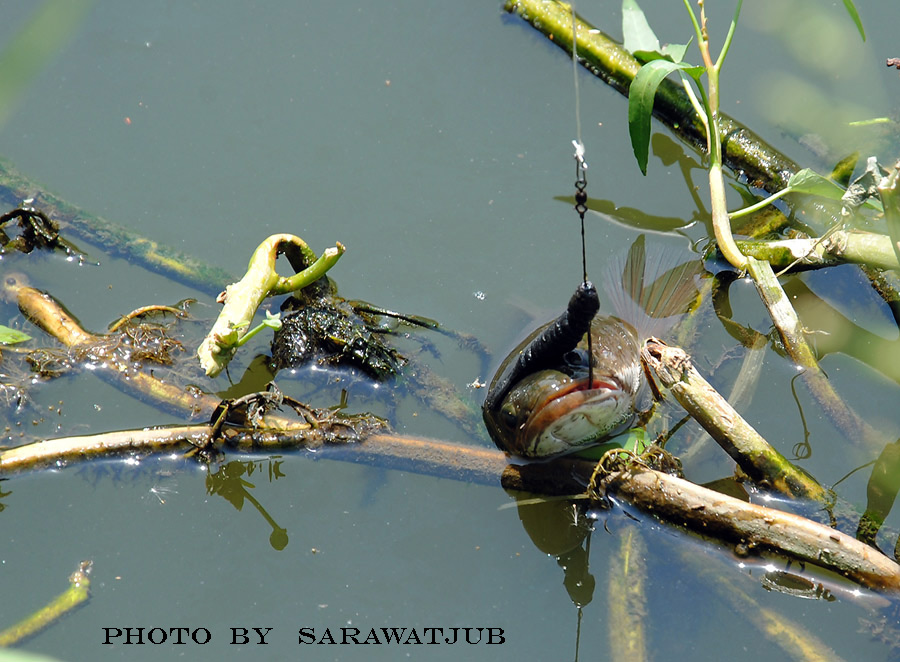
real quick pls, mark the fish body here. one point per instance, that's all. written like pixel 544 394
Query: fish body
pixel 542 401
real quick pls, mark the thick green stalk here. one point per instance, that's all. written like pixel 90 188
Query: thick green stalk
pixel 718 205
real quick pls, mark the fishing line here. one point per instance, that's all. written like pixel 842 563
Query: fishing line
pixel 580 181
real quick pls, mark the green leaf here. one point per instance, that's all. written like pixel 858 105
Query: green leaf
pixel 640 39
pixel 11 336
pixel 811 182
pixel 851 9
pixel 636 31
pixel 640 103
pixel 676 51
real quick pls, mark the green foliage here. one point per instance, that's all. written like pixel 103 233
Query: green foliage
pixel 851 9
pixel 640 39
pixel 660 61
pixel 640 102
pixel 810 182
pixel 11 336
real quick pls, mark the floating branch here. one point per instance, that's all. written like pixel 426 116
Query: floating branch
pixel 751 528
pixel 744 444
pixel 672 500
pixel 45 312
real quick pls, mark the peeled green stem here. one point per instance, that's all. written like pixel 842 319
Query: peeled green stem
pixel 242 299
pixel 874 250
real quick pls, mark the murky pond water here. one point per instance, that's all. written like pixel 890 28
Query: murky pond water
pixel 433 140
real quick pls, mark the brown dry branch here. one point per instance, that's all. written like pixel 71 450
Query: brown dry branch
pixel 751 528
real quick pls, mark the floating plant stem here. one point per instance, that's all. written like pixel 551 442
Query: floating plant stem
pixel 77 594
pixel 242 299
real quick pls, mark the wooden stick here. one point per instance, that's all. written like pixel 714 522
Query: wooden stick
pixel 739 439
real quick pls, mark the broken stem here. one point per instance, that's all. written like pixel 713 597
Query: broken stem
pixel 735 435
pixel 242 299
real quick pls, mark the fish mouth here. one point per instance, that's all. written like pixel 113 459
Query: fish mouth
pixel 578 414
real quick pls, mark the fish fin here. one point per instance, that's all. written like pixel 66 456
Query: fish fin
pixel 653 288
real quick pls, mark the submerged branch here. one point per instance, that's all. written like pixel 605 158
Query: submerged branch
pixel 627 599
pixel 114 239
pixel 792 336
pixel 77 594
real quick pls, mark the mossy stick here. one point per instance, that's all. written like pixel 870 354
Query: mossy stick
pixel 753 454
pixel 76 595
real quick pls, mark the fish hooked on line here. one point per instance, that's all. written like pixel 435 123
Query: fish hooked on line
pixel 552 395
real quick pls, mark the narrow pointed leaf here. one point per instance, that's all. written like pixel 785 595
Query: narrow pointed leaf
pixel 640 103
pixel 11 336
pixel 851 9
pixel 636 31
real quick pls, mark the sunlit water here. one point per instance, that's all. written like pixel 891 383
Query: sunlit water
pixel 432 140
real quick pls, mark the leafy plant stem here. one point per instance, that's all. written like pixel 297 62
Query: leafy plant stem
pixel 718 207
